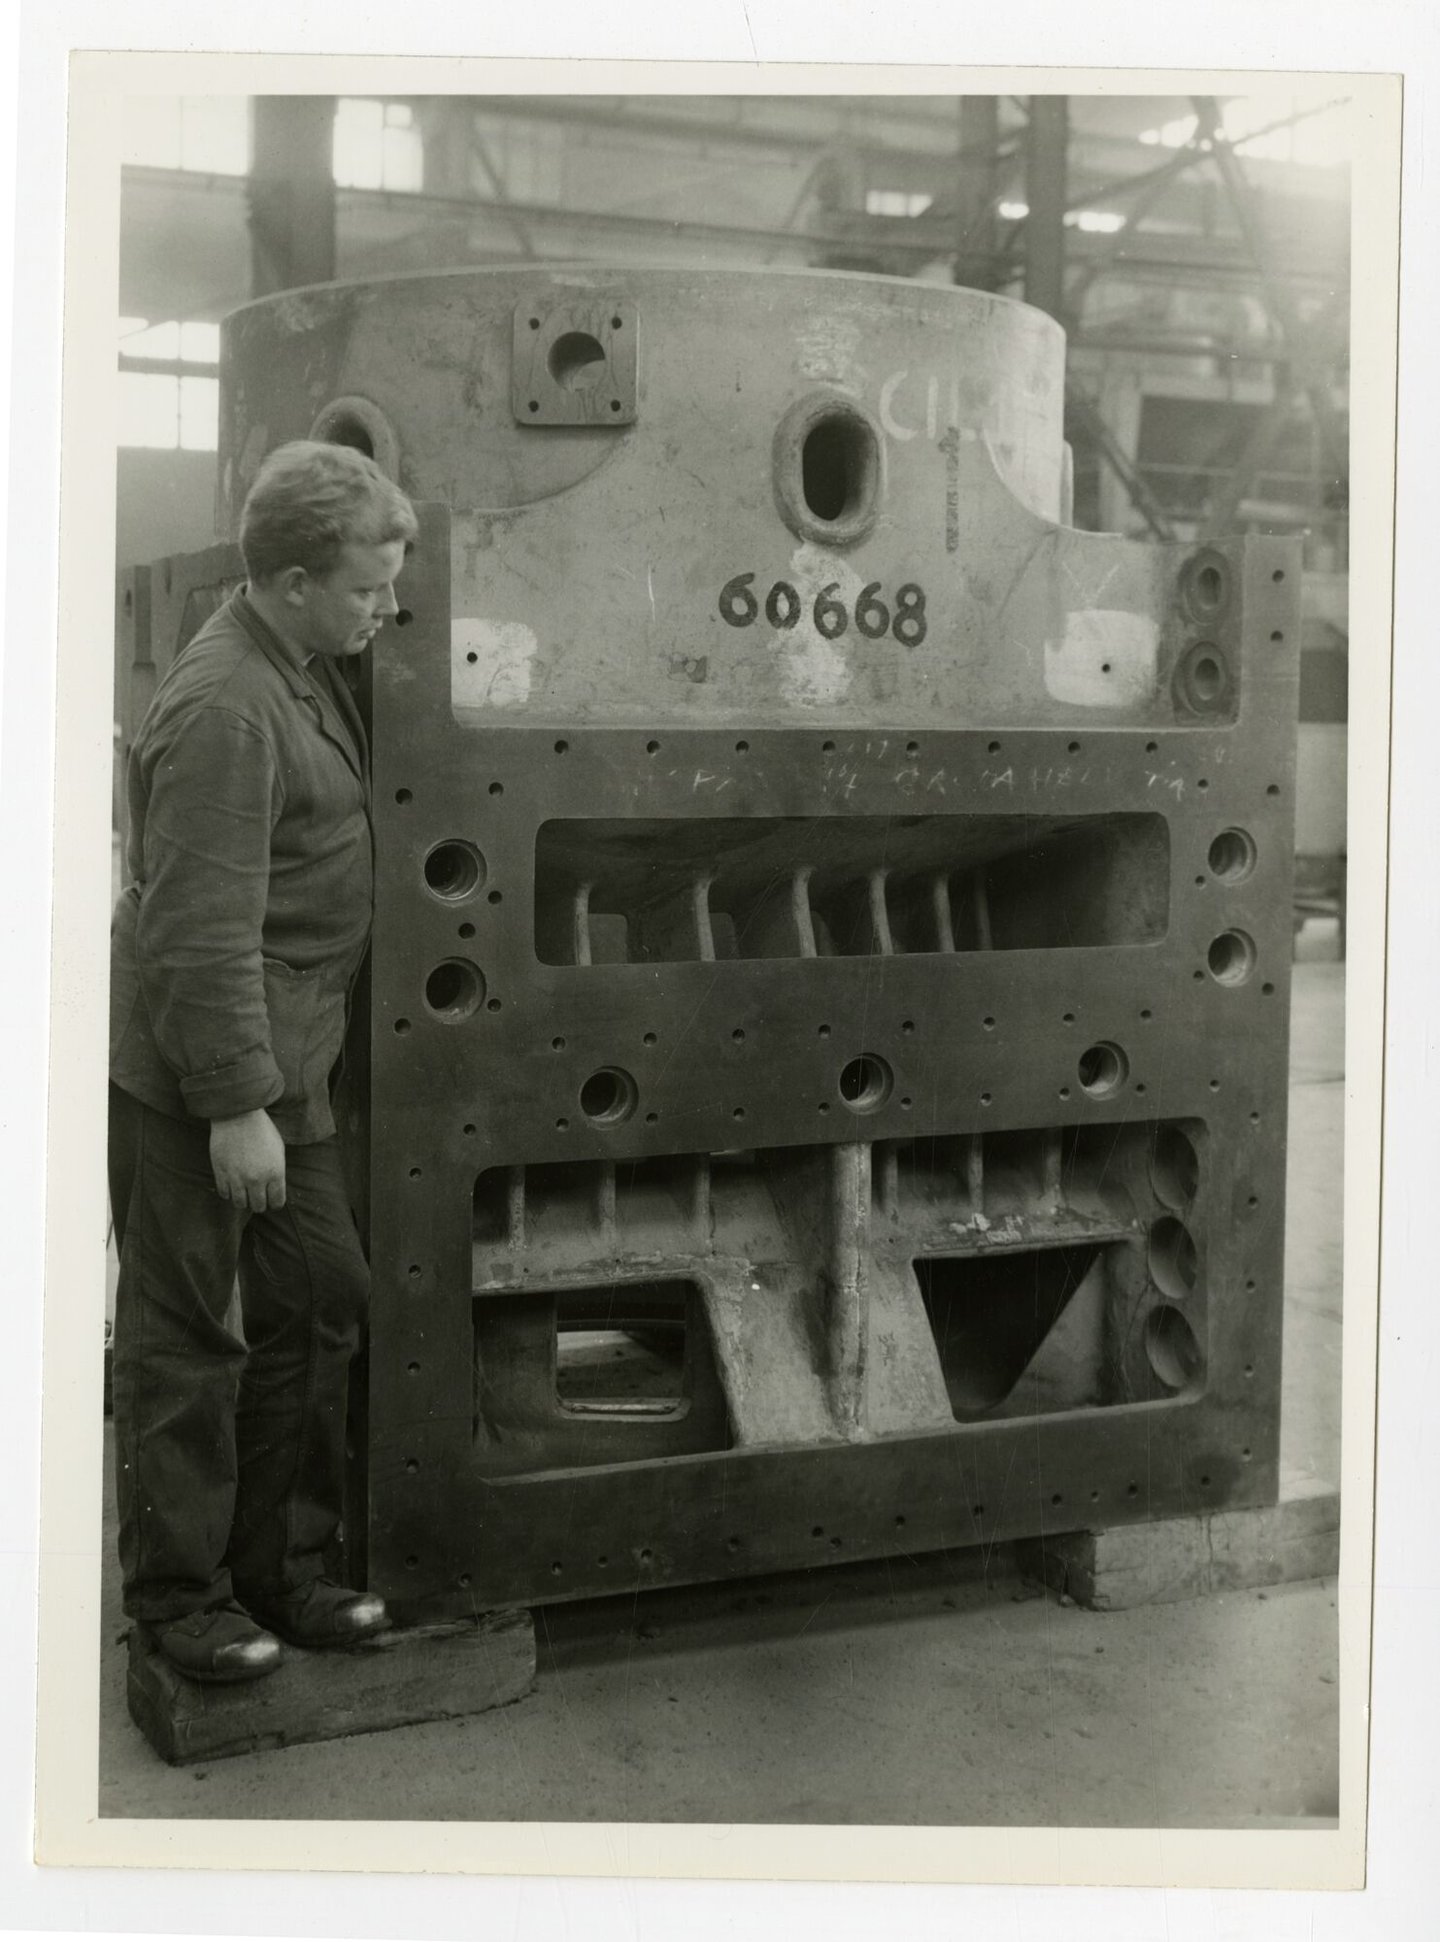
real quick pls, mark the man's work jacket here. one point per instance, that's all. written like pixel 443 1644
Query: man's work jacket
pixel 250 861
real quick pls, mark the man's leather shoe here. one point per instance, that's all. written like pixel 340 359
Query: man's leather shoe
pixel 320 1615
pixel 218 1647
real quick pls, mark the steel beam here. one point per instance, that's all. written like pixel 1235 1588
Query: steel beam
pixel 1044 236
pixel 291 192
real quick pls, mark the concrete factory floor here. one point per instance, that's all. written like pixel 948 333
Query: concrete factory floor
pixel 936 1692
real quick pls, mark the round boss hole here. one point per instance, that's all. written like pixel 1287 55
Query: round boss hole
pixel 534 323
pixel 402 796
pixel 468 1128
pixel 907 1026
pixel 1072 748
pixel 561 747
pixel 649 1038
pixel 472 657
pixel 1232 855
pixel 454 869
pixel 1277 636
pixel 617 323
pixel 1278 574
pixel 742 748
pixel 827 748
pixel 1202 680
pixel 465 930
pixel 403 616
pixel 738 1035
pixel 562 1126
pixel 534 404
pixel 824 1031
pixel 1151 748
pixel 1171 1349
pixel 402 1026
pixel 494 897
pixel 608 1096
pixel 1171 1258
pixel 497 788
pixel 738 1113
pixel 1102 1069
pixel 454 990
pixel 1231 957
pixel 1174 1168
pixel 992 748
pixel 865 1083
pixel 412 1465
pixel 652 748
pixel 493 1005
pixel 557 1045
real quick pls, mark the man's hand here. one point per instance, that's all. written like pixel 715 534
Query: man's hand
pixel 247 1156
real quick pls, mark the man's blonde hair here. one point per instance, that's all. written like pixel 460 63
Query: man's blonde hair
pixel 309 500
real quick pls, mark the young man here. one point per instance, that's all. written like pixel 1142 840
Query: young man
pixel 234 949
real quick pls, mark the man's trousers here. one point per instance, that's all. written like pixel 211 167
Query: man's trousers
pixel 229 1452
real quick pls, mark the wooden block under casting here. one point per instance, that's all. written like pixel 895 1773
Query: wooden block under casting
pixel 1187 1557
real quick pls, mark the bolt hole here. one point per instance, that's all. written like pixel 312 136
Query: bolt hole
pixel 402 796
pixel 454 989
pixel 454 869
pixel 1102 1069
pixel 1232 855
pixel 402 1026
pixel 1231 957
pixel 608 1096
pixel 561 747
pixel 865 1083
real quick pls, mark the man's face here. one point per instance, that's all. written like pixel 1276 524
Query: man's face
pixel 341 614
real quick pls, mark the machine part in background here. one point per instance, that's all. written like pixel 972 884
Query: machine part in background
pixel 827 1038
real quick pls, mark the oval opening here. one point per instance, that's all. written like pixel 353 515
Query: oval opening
pixel 1173 1263
pixel 1102 1069
pixel 1202 680
pixel 454 869
pixel 1233 855
pixel 577 360
pixel 1231 957
pixel 608 1096
pixel 1174 1168
pixel 1171 1347
pixel 454 989
pixel 865 1083
pixel 344 428
pixel 1207 677
pixel 837 467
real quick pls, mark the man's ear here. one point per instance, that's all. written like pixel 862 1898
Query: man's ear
pixel 292 585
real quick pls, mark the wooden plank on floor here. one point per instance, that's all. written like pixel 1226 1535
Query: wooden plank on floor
pixel 401 1678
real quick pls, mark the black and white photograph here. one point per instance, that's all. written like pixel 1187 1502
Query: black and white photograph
pixel 729 924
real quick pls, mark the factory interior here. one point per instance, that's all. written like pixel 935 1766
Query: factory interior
pixel 1195 252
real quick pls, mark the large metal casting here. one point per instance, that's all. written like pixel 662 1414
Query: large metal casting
pixel 829 1002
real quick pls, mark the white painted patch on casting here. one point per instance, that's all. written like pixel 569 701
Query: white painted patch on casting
pixel 815 672
pixel 1107 659
pixel 500 674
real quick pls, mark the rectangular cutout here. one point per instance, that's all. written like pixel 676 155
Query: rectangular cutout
pixel 709 889
pixel 622 1349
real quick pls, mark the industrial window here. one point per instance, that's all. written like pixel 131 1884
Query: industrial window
pixel 377 145
pixel 206 132
pixel 895 202
pixel 166 407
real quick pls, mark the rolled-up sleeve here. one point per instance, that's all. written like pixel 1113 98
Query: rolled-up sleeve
pixel 214 796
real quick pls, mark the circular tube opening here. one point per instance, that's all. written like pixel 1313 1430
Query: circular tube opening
pixel 1172 1350
pixel 1202 680
pixel 608 1096
pixel 1174 1168
pixel 454 869
pixel 1233 855
pixel 577 361
pixel 1173 1263
pixel 865 1083
pixel 362 426
pixel 454 989
pixel 1231 957
pixel 1102 1069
